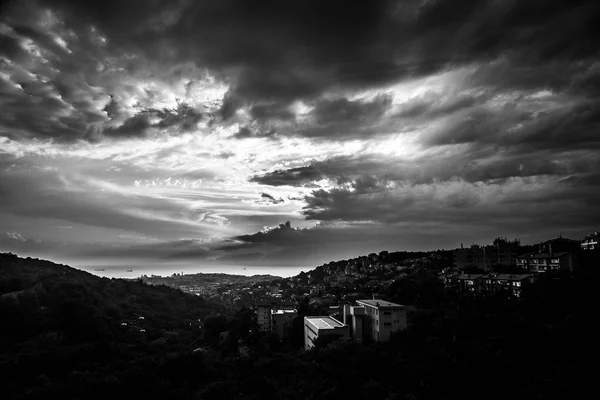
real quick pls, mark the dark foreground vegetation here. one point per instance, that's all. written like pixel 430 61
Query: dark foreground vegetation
pixel 63 336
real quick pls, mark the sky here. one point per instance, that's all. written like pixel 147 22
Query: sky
pixel 278 133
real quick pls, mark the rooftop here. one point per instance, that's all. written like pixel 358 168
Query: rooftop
pixel 379 303
pixel 470 276
pixel 324 322
pixel 510 277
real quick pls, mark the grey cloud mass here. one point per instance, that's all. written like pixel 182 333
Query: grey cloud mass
pixel 195 124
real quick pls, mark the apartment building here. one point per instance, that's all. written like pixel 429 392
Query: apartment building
pixel 501 253
pixel 590 242
pixel 353 316
pixel 263 316
pixel 470 282
pixel 281 320
pixel 506 283
pixel 315 327
pixel 274 316
pixel 450 279
pixel 546 262
pixel 381 318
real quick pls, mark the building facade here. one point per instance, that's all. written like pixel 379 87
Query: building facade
pixel 274 315
pixel 315 327
pixel 501 253
pixel 381 318
pixel 263 316
pixel 546 262
pixel 354 316
pixel 590 242
pixel 506 283
pixel 470 282
pixel 281 320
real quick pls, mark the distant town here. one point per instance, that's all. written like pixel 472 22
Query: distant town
pixel 350 290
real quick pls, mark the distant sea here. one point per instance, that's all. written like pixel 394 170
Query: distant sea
pixel 112 271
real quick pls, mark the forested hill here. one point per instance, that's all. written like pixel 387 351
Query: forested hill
pixel 66 334
pixel 65 327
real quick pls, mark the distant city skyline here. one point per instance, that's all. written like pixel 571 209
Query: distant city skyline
pixel 143 135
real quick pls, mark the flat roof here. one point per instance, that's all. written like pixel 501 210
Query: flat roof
pixel 324 322
pixel 379 303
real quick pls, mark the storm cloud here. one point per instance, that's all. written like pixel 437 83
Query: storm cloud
pixel 197 125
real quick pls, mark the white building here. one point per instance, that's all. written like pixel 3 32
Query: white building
pixel 382 318
pixel 315 327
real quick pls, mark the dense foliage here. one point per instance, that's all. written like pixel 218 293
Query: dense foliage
pixel 457 345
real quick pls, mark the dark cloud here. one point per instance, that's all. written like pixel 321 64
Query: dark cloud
pixel 246 132
pixel 293 177
pixel 344 118
pixel 270 198
pixel 271 111
pixel 272 235
pixel 485 164
pixel 460 204
pixel 522 129
pixel 273 54
pixel 292 50
pixel 327 111
pixel 184 118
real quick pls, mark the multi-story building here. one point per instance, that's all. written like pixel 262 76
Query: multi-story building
pixel 274 315
pixel 281 320
pixel 511 283
pixel 559 245
pixel 382 318
pixel 546 262
pixel 315 327
pixel 501 253
pixel 263 316
pixel 450 279
pixel 469 257
pixel 505 252
pixel 470 282
pixel 353 316
pixel 590 242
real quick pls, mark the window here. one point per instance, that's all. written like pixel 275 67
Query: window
pixel 387 313
pixel 387 324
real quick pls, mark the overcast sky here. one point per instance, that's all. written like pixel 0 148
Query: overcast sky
pixel 149 132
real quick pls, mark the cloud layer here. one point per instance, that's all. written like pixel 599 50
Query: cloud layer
pixel 178 130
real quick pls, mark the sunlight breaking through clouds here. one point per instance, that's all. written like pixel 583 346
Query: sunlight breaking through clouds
pixel 187 121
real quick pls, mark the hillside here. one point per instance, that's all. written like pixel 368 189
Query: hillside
pixel 63 337
pixel 207 285
pixel 63 327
